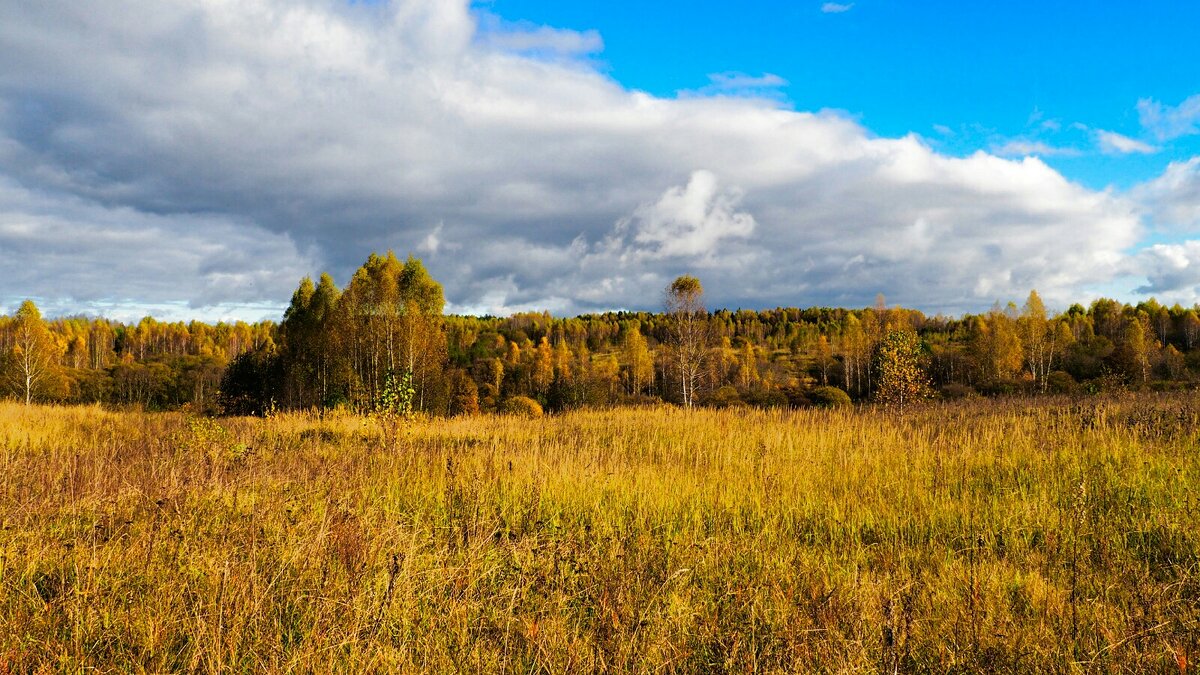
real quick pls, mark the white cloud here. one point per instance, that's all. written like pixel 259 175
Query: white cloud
pixel 836 7
pixel 527 38
pixel 740 85
pixel 432 242
pixel 1173 199
pixel 1173 271
pixel 213 152
pixel 689 221
pixel 1021 147
pixel 1167 122
pixel 1113 143
pixel 736 81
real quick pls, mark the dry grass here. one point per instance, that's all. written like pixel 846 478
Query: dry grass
pixel 977 537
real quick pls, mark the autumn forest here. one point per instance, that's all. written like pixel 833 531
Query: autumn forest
pixel 384 336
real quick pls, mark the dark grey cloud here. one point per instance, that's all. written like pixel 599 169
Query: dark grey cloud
pixel 208 153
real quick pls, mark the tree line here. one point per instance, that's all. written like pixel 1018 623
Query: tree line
pixel 384 337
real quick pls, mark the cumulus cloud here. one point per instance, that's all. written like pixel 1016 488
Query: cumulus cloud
pixel 1173 199
pixel 127 263
pixel 1115 144
pixel 689 221
pixel 1173 270
pixel 1169 122
pixel 212 152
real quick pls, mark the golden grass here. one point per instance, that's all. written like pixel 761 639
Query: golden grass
pixel 977 537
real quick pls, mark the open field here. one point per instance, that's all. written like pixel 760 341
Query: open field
pixel 1051 536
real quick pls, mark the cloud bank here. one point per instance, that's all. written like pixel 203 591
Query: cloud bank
pixel 211 152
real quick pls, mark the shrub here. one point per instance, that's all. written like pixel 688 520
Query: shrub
pixel 829 397
pixel 1061 382
pixel 522 406
pixel 723 397
pixel 769 398
pixel 797 396
pixel 954 390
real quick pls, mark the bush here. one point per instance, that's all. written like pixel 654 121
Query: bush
pixel 768 398
pixel 1061 382
pixel 640 400
pixel 829 397
pixel 797 397
pixel 249 382
pixel 723 398
pixel 954 390
pixel 522 406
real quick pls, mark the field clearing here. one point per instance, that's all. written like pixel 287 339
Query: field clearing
pixel 987 536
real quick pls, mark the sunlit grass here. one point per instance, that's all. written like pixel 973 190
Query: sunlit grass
pixel 976 537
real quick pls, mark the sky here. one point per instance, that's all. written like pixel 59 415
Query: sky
pixel 195 159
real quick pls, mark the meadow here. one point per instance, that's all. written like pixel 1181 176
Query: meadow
pixel 1050 535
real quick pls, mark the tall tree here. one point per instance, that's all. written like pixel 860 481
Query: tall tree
pixel 1136 347
pixel 423 340
pixel 543 366
pixel 824 358
pixel 1191 329
pixel 326 352
pixel 637 356
pixel 33 358
pixel 855 348
pixel 1042 339
pixel 297 337
pixel 996 346
pixel 390 318
pixel 690 334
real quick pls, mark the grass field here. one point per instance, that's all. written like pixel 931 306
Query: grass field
pixel 1051 536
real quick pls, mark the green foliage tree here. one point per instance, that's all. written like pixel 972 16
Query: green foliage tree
pixel 298 337
pixel 393 404
pixel 395 399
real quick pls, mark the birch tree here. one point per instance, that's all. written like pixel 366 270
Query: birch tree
pixel 689 332
pixel 34 355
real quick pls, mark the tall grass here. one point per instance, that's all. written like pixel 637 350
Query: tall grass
pixel 1047 536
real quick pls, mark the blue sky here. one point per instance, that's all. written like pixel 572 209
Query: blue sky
pixel 196 158
pixel 985 72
